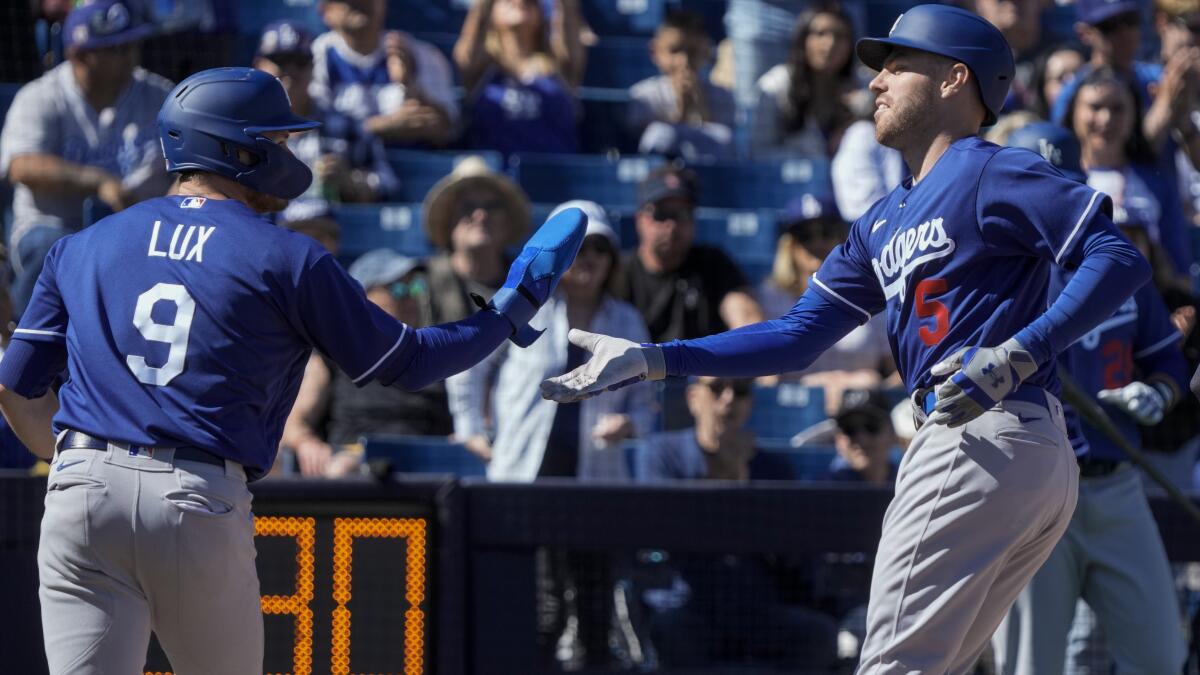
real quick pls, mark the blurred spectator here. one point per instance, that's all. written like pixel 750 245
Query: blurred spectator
pixel 810 229
pixel 1020 22
pixel 1177 23
pixel 718 447
pixel 536 437
pixel 314 218
pixel 1052 71
pixel 395 86
pixel 803 105
pixel 999 132
pixel 689 619
pixel 682 289
pixel 347 165
pixel 86 130
pixel 471 216
pixel 864 440
pixel 760 31
pixel 331 412
pixel 680 113
pixel 1105 117
pixel 520 68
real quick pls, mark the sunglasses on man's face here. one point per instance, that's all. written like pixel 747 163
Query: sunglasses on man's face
pixel 853 428
pixel 815 230
pixel 407 289
pixel 676 212
pixel 718 387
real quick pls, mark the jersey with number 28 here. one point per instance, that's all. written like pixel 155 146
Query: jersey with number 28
pixel 188 321
pixel 962 258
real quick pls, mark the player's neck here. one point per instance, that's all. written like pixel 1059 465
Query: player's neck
pixel 211 186
pixel 922 157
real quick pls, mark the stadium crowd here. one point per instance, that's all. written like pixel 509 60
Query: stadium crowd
pixel 683 96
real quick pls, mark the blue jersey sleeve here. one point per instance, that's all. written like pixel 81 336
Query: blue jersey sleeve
pixel 847 278
pixel 331 310
pixel 38 352
pixel 1026 206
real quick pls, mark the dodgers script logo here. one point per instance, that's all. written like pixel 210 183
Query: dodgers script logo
pixel 907 249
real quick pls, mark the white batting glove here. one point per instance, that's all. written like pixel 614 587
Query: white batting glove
pixel 981 378
pixel 615 363
pixel 1141 401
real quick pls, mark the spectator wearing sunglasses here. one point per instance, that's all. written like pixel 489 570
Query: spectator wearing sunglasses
pixel 810 229
pixel 864 440
pixel 347 165
pixel 536 437
pixel 718 446
pixel 682 290
pixel 332 414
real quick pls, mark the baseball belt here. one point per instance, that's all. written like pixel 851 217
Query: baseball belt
pixel 77 440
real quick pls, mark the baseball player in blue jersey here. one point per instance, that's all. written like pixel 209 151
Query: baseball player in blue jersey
pixel 959 258
pixel 184 324
pixel 1111 555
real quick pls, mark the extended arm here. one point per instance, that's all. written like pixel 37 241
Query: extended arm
pixel 26 399
pixel 469 53
pixel 791 342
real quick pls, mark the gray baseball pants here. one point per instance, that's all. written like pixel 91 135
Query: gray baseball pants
pixel 977 511
pixel 132 543
pixel 1112 556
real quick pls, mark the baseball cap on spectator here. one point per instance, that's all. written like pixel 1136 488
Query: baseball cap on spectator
pixel 1055 143
pixel 1093 12
pixel 666 182
pixel 285 39
pixel 308 210
pixel 598 223
pixel 105 23
pixel 866 405
pixel 439 205
pixel 381 267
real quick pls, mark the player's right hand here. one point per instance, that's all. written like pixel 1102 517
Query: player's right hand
pixel 1139 400
pixel 979 378
pixel 615 363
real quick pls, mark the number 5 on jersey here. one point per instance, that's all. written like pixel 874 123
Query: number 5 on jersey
pixel 932 308
pixel 175 334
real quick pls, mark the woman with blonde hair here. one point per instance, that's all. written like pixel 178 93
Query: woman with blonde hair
pixel 810 229
pixel 520 62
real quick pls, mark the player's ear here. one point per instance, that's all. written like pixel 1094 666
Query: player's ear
pixel 957 78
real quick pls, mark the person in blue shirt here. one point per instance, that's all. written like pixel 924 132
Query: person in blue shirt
pixel 959 258
pixel 1111 555
pixel 520 62
pixel 184 324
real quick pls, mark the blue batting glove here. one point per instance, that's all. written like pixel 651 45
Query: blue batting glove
pixel 979 378
pixel 535 273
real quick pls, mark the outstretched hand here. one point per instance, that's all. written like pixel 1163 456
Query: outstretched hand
pixel 615 363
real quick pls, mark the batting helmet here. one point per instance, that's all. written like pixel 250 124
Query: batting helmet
pixel 956 34
pixel 211 115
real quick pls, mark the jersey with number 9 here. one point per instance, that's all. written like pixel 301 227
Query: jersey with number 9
pixel 182 309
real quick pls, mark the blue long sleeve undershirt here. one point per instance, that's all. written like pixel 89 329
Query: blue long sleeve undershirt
pixel 437 352
pixel 791 342
pixel 1111 270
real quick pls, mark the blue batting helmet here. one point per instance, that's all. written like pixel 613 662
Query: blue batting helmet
pixel 956 34
pixel 1055 143
pixel 211 115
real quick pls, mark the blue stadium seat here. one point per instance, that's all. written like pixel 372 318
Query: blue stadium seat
pixel 788 464
pixel 785 410
pixel 418 171
pixel 370 226
pixel 747 236
pixel 623 17
pixel 760 184
pixel 422 454
pixel 618 63
pixel 253 16
pixel 556 178
pixel 441 16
